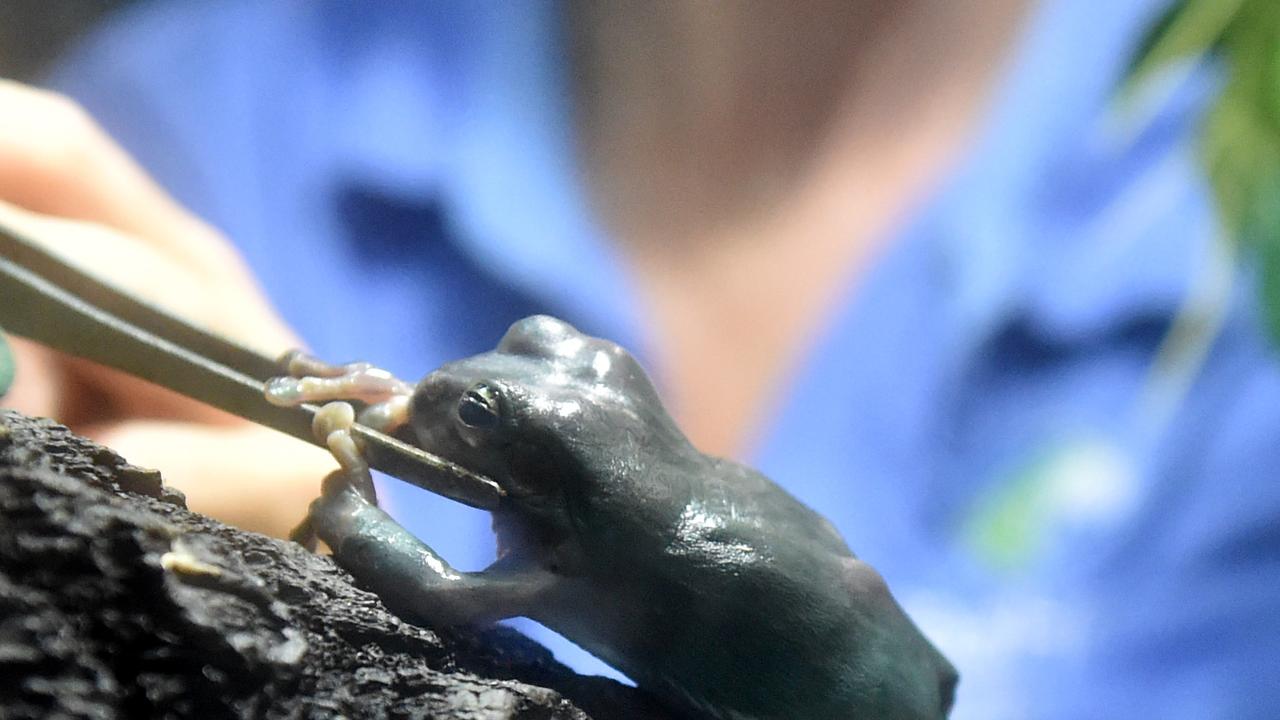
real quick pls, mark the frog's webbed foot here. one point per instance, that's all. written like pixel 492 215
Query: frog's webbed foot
pixel 386 397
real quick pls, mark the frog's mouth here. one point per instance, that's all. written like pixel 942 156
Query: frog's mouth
pixel 442 443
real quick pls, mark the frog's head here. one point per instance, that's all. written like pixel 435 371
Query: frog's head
pixel 547 414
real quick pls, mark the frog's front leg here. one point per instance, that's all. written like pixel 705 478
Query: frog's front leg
pixel 414 582
pixel 386 399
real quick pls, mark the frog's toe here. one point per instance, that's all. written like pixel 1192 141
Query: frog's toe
pixel 332 426
pixel 302 364
pixel 340 482
pixel 389 415
pixel 368 386
pixel 311 380
pixel 285 391
pixel 305 534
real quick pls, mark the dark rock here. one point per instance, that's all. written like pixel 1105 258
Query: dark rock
pixel 118 602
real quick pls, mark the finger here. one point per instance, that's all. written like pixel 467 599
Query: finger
pixel 35 380
pixel 248 476
pixel 75 390
pixel 56 161
pixel 130 263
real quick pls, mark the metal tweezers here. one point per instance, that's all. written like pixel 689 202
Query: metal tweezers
pixel 46 300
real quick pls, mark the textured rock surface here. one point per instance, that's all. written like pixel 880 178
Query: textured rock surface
pixel 117 602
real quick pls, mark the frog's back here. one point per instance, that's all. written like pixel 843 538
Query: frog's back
pixel 777 618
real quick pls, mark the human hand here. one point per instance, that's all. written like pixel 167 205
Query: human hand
pixel 61 176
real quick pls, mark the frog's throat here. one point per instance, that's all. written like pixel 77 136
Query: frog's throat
pixel 520 536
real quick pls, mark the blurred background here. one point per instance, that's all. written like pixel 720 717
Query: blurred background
pixel 33 33
pixel 991 284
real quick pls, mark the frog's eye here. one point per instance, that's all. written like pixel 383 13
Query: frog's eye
pixel 478 407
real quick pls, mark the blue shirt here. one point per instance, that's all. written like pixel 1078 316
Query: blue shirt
pixel 1048 415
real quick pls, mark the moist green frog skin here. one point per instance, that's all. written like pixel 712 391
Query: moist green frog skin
pixel 698 577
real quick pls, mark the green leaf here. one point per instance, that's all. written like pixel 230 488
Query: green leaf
pixel 1239 142
pixel 1189 29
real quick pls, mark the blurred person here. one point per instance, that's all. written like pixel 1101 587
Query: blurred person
pixel 906 259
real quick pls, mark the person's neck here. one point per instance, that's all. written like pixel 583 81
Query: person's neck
pixel 749 157
pixel 695 114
